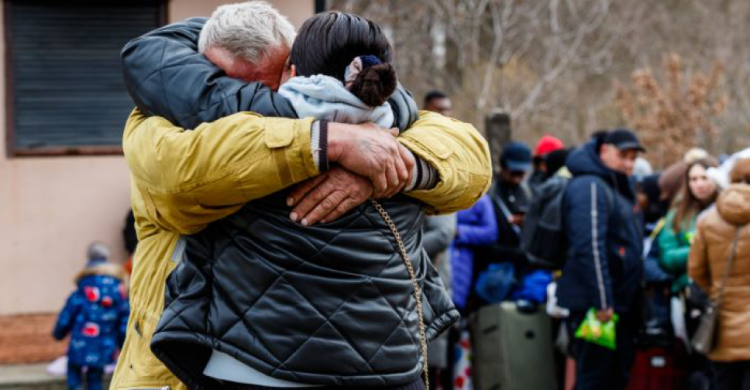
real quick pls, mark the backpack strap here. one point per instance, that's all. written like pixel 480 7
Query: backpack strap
pixel 498 199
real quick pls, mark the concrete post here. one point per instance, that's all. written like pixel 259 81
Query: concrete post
pixel 498 131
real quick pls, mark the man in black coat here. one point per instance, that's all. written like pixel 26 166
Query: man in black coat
pixel 605 246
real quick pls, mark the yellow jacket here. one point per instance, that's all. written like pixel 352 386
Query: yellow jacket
pixel 184 180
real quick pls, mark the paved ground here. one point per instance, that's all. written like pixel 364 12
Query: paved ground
pixel 29 377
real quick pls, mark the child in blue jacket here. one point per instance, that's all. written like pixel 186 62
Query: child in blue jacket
pixel 96 316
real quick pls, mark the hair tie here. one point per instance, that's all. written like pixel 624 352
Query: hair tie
pixel 358 65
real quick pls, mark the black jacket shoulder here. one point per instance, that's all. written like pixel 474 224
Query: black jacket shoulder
pixel 166 76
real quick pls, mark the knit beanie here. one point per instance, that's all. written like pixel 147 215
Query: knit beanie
pixel 98 253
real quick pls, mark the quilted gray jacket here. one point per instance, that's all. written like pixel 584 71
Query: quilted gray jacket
pixel 328 304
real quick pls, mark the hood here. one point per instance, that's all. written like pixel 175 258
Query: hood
pixel 734 204
pixel 585 161
pixel 104 269
pixel 324 97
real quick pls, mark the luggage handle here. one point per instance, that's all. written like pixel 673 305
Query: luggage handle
pixel 490 329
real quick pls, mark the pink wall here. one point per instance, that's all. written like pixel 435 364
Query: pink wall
pixel 296 10
pixel 52 208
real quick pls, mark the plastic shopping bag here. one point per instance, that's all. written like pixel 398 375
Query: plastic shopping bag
pixel 594 331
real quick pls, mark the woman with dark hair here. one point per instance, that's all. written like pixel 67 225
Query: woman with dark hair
pixel 340 70
pixel 698 194
pixel 259 301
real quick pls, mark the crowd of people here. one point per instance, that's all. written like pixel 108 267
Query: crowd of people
pixel 648 250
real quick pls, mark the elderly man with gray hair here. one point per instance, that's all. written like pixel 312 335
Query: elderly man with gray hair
pixel 248 41
pixel 198 75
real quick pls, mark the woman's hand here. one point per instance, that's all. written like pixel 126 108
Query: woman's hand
pixel 605 315
pixel 328 196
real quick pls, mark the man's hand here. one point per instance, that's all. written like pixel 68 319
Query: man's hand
pixel 328 196
pixel 372 152
pixel 517 219
pixel 605 315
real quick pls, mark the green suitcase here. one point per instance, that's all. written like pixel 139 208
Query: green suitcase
pixel 513 350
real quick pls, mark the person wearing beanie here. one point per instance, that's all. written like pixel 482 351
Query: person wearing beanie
pixel 722 233
pixel 546 145
pixel 96 316
pixel 98 253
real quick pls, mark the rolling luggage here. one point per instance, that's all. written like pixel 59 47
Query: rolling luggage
pixel 659 368
pixel 513 348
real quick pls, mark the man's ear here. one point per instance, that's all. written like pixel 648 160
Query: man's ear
pixel 293 70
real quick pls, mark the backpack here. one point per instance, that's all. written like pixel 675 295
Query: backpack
pixel 543 237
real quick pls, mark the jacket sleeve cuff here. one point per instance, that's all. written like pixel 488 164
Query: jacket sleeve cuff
pixel 293 152
pixel 319 144
pixel 423 176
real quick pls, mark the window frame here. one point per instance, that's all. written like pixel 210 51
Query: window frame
pixel 10 129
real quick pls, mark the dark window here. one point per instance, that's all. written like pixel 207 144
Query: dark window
pixel 64 86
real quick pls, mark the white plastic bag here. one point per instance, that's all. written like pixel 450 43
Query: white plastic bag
pixel 553 310
pixel 677 312
pixel 58 368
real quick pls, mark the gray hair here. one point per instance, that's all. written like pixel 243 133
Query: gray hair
pixel 247 30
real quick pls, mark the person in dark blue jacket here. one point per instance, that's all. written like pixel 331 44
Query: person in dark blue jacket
pixel 604 268
pixel 477 226
pixel 96 316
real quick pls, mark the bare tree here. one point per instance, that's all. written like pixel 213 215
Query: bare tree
pixel 554 65
pixel 494 53
pixel 673 114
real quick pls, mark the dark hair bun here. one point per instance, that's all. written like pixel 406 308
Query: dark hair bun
pixel 375 84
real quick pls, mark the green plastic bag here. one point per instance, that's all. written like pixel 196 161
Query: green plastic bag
pixel 594 331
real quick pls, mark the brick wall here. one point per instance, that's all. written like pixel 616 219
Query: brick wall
pixel 28 339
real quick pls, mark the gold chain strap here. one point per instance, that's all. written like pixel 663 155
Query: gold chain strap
pixel 414 282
